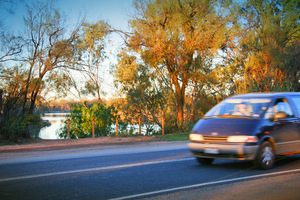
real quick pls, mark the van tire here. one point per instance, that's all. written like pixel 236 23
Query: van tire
pixel 205 161
pixel 265 157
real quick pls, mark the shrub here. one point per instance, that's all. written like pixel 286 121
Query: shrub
pixel 22 127
pixel 81 118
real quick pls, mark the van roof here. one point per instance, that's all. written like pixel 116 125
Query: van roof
pixel 268 95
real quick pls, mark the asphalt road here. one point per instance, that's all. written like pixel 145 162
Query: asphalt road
pixel 160 170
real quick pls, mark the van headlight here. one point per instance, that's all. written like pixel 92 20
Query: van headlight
pixel 196 137
pixel 242 139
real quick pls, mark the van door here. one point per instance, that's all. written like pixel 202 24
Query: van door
pixel 285 127
pixel 295 100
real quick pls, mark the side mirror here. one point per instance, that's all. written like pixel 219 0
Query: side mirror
pixel 280 115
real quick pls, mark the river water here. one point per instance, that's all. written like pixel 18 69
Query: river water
pixel 57 119
pixel 52 131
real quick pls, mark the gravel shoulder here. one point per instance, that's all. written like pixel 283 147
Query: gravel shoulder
pixel 66 143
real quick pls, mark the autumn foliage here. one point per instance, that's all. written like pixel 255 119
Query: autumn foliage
pixel 180 57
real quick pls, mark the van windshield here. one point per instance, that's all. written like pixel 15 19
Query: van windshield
pixel 251 108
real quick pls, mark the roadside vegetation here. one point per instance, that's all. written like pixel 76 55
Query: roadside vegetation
pixel 108 139
pixel 173 137
pixel 179 59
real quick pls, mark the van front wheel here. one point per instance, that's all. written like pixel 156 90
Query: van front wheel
pixel 205 161
pixel 265 158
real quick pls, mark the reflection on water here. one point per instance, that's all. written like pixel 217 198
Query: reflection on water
pixel 56 120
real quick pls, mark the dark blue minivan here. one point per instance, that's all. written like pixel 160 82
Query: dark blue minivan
pixel 255 127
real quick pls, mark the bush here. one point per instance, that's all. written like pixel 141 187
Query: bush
pixel 81 118
pixel 22 127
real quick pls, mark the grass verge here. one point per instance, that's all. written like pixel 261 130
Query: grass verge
pixel 173 137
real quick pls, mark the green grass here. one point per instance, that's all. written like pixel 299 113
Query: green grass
pixel 173 137
pixel 167 137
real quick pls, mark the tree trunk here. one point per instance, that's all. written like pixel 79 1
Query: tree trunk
pixel 180 106
pixel 27 87
pixel 1 93
pixel 32 103
pixel 193 111
pixel 35 93
pixel 99 97
pixel 180 95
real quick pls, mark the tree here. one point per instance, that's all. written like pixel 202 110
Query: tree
pixel 48 52
pixel 47 49
pixel 11 46
pixel 270 46
pixel 170 34
pixel 14 125
pixel 94 50
pixel 139 85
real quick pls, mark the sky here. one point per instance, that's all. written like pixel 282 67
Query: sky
pixel 115 12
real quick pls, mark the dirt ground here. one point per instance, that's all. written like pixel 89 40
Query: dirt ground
pixel 64 143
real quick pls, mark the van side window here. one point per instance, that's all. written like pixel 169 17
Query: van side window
pixel 296 100
pixel 281 105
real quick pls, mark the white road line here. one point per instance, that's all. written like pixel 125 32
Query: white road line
pixel 204 184
pixel 94 169
pixel 106 151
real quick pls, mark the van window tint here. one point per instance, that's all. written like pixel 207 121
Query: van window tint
pixel 281 105
pixel 296 100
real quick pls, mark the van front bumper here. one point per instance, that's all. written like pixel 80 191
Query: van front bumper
pixel 226 151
